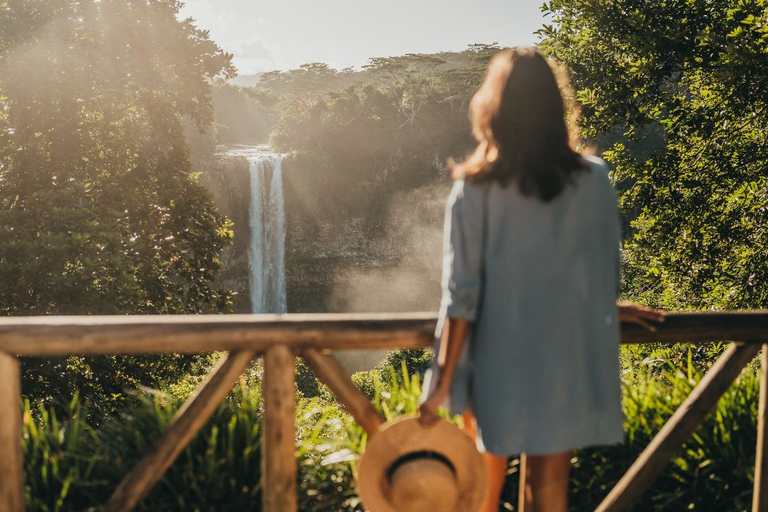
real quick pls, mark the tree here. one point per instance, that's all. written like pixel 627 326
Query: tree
pixel 685 86
pixel 99 212
pixel 242 116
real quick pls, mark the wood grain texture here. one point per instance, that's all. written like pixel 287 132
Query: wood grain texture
pixel 11 461
pixel 524 496
pixel 279 467
pixel 749 326
pixel 57 336
pixel 679 428
pixel 332 374
pixel 760 489
pixel 186 423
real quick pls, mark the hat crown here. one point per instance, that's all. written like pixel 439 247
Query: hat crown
pixel 408 466
pixel 423 484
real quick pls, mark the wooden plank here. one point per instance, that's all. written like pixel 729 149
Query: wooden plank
pixel 679 428
pixel 329 370
pixel 748 327
pixel 760 493
pixel 56 336
pixel 11 459
pixel 524 496
pixel 279 435
pixel 186 423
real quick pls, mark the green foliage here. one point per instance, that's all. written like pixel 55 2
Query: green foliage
pixel 367 382
pixel 355 145
pixel 73 464
pixel 306 382
pixel 691 79
pixel 405 362
pixel 61 460
pixel 104 380
pixel 99 213
pixel 77 463
pixel 712 472
pixel 242 116
pixel 401 366
pixel 328 451
pixel 230 444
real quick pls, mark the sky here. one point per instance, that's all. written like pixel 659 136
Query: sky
pixel 283 34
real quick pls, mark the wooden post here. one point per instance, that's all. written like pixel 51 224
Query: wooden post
pixel 760 494
pixel 330 371
pixel 11 457
pixel 188 421
pixel 524 498
pixel 679 428
pixel 279 435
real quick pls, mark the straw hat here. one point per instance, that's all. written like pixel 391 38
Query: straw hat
pixel 408 467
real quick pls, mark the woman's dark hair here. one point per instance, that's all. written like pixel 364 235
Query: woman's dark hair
pixel 518 120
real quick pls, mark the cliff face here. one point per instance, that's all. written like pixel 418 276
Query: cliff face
pixel 344 256
pixel 385 261
pixel 228 180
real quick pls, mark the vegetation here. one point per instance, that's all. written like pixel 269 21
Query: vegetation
pixel 385 129
pixel 108 106
pixel 242 115
pixel 687 82
pixel 73 463
pixel 99 210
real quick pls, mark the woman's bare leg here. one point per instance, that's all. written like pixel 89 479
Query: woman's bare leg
pixel 549 476
pixel 495 465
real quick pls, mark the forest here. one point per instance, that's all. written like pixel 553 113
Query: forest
pixel 113 200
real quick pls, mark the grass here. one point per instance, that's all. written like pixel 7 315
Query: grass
pixel 73 461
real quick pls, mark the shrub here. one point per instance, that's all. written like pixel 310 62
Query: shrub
pixel 74 463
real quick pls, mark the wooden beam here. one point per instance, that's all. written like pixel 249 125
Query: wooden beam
pixel 11 457
pixel 279 434
pixel 747 326
pixel 760 493
pixel 329 370
pixel 524 496
pixel 679 428
pixel 186 423
pixel 56 336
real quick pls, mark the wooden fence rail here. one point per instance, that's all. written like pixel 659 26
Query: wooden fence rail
pixel 280 338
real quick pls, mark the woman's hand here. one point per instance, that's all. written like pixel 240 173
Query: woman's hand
pixel 428 410
pixel 633 314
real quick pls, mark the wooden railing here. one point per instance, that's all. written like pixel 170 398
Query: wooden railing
pixel 280 338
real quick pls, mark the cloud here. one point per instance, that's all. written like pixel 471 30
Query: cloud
pixel 254 54
pixel 206 16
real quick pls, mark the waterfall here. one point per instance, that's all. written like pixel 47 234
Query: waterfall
pixel 267 221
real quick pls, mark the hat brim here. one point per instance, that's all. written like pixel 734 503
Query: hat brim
pixel 406 436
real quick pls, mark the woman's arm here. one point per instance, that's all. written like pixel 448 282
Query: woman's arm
pixel 454 337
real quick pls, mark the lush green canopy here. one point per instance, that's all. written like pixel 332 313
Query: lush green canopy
pixel 678 90
pixel 99 211
pixel 359 137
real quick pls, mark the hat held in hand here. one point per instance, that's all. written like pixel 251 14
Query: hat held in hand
pixel 409 467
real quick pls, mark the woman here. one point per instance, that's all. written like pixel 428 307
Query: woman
pixel 531 271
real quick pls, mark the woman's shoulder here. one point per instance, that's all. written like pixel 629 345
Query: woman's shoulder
pixel 467 195
pixel 596 163
pixel 598 170
pixel 472 189
pixel 600 184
